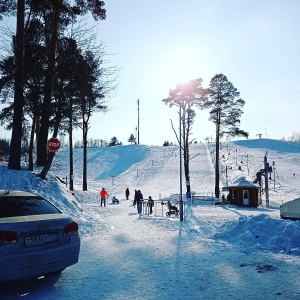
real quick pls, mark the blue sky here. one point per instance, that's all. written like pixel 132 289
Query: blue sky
pixel 158 44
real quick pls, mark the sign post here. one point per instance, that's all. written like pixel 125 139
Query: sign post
pixel 53 144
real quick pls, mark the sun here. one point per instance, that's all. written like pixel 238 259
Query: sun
pixel 178 67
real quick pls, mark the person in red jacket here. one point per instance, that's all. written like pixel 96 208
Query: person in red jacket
pixel 103 195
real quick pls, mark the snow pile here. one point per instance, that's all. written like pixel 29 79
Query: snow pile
pixel 262 233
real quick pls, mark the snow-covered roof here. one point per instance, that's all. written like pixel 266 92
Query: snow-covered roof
pixel 243 183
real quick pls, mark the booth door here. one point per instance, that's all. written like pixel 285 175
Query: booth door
pixel 245 197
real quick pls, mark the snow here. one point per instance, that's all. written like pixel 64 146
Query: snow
pixel 217 252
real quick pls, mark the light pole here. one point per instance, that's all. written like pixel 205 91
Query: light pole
pixel 180 168
pixel 112 179
pixel 138 128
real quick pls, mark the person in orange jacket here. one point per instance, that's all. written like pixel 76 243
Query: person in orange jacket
pixel 103 195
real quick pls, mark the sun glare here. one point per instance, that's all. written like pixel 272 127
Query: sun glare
pixel 178 67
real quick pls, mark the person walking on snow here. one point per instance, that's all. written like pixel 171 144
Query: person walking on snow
pixel 139 201
pixel 135 197
pixel 150 204
pixel 127 193
pixel 103 195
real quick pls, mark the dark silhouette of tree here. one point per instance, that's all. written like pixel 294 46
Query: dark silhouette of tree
pixel 114 142
pixel 132 139
pixel 7 82
pixel 65 88
pixel 9 8
pixel 4 148
pixel 33 84
pixel 34 80
pixel 166 143
pixel 225 104
pixel 55 15
pixel 295 137
pixel 34 62
pixel 185 96
pixel 91 97
pixel 97 80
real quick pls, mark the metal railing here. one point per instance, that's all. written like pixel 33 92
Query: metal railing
pixel 162 208
pixel 203 199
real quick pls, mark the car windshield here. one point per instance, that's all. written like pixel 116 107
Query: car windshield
pixel 25 206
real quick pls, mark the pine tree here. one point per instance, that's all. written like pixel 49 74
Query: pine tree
pixel 132 139
pixel 225 104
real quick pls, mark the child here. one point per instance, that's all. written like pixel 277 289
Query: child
pixel 115 200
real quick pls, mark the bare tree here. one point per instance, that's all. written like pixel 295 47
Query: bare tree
pixel 185 96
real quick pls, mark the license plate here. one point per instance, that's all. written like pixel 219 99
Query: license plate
pixel 40 239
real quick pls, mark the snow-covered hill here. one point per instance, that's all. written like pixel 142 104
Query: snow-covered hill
pixel 155 170
pixel 218 252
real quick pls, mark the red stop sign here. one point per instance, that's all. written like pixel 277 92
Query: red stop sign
pixel 53 144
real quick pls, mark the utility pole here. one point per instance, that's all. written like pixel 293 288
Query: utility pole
pixel 138 128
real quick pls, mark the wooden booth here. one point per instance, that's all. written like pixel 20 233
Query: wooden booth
pixel 243 193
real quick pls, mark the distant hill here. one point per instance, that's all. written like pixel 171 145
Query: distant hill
pixel 275 145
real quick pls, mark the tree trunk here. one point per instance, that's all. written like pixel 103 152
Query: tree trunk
pixel 48 165
pixel 51 154
pixel 16 137
pixel 185 135
pixel 71 162
pixel 31 143
pixel 50 73
pixel 186 165
pixel 187 178
pixel 217 171
pixel 84 175
pixel 71 146
pixel 37 127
